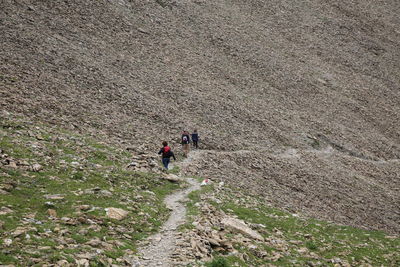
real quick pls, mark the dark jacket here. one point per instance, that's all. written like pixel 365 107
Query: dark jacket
pixel 187 139
pixel 167 154
pixel 195 137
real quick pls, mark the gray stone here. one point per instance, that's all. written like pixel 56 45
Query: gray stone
pixel 241 227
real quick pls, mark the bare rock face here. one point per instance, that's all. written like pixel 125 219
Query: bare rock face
pixel 241 227
pixel 116 213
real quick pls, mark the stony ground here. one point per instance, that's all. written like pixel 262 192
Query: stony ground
pixel 311 88
pixel 321 182
pixel 278 77
pixel 287 239
pixel 228 227
pixel 67 199
pixel 160 248
pixel 251 74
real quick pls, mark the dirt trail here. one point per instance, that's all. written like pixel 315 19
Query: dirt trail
pixel 162 245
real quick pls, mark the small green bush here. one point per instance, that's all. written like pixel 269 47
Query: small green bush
pixel 218 262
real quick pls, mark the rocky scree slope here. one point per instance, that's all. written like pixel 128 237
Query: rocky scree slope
pixel 257 75
pixel 314 183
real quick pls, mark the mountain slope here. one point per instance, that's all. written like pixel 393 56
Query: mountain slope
pixel 263 76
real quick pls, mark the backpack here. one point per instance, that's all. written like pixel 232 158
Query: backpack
pixel 166 150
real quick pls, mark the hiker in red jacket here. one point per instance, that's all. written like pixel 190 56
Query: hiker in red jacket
pixel 166 154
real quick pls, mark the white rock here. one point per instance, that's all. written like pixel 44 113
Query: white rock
pixel 56 196
pixel 7 242
pixel 241 227
pixel 36 167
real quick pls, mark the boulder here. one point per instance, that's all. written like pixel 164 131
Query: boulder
pixel 172 178
pixel 116 213
pixel 105 193
pixel 5 210
pixel 19 231
pixel 36 167
pixel 241 227
pixel 52 213
pixel 54 197
pixel 83 207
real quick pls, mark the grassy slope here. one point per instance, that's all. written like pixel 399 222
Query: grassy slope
pixel 72 164
pixel 295 241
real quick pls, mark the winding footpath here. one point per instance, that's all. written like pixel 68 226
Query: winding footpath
pixel 162 245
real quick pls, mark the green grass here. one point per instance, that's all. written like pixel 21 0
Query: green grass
pixel 191 209
pixel 6 258
pixel 73 163
pixel 102 166
pixel 175 170
pixel 218 262
pixel 328 241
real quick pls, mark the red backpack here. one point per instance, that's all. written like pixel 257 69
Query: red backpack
pixel 166 150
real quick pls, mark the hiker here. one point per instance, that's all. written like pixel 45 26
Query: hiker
pixel 185 142
pixel 166 154
pixel 195 139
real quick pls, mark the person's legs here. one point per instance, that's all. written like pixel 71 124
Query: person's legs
pixel 186 149
pixel 195 144
pixel 165 162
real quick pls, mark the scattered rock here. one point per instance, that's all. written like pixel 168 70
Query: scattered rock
pixel 94 242
pixel 213 242
pixel 12 164
pixel 143 31
pixel 82 262
pixel 62 263
pixel 7 242
pixel 83 207
pixel 116 213
pixel 5 210
pixel 19 231
pixel 49 204
pixel 3 192
pixel 54 197
pixel 36 167
pixel 8 187
pixel 52 213
pixel 83 231
pixel 172 178
pixel 240 226
pixel 105 193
